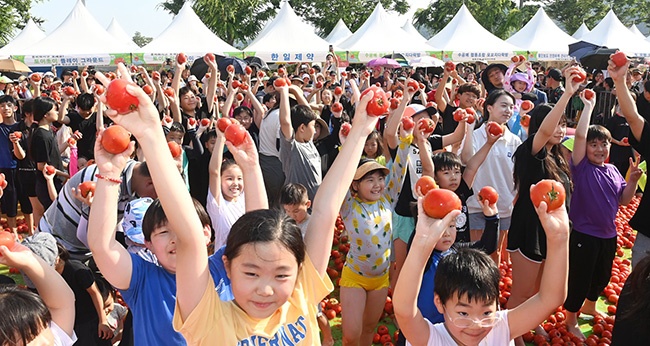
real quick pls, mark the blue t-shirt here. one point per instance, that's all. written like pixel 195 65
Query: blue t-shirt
pixel 7 159
pixel 152 297
pixel 425 296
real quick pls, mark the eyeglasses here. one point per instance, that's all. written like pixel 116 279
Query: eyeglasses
pixel 466 322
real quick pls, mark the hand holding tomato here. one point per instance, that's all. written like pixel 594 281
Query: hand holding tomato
pixel 361 118
pixel 78 193
pixel 245 154
pixel 588 97
pixel 489 210
pixel 555 222
pixel 111 165
pixel 429 230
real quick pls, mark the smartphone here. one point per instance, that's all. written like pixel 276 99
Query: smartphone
pixel 331 48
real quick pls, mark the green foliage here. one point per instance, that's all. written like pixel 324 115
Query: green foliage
pixel 571 13
pixel 13 15
pixel 141 40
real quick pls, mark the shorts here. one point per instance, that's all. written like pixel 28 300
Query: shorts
pixel 9 200
pixel 354 280
pixel 27 180
pixel 477 221
pixel 403 227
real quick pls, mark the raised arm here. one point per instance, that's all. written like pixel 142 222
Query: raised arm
pixel 394 119
pixel 625 100
pixel 285 112
pixel 215 166
pixel 211 88
pixel 440 90
pixel 457 135
pixel 335 185
pixel 580 143
pixel 247 158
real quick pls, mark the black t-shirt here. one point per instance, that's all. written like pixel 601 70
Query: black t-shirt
pixel 447 124
pixel 27 162
pixel 198 175
pixel 619 128
pixel 88 129
pixel 79 277
pixel 643 106
pixel 379 80
pixel 463 192
pixel 45 149
pixel 403 206
pixel 641 219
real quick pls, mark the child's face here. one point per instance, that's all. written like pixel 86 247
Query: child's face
pixel 371 187
pixel 188 102
pixel 597 151
pixel 306 132
pixel 163 245
pixel 52 115
pixel 326 96
pixel 7 109
pixel 209 145
pixel 467 321
pixel 519 86
pixel 108 305
pixel 467 99
pixel 298 212
pixel 449 178
pixel 559 133
pixel 448 238
pixel 175 136
pixel 232 183
pixel 263 276
pixel 501 110
pixel 370 149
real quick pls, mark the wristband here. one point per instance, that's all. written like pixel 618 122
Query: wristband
pixel 112 180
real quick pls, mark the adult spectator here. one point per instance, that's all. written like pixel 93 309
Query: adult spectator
pixel 493 77
pixel 554 84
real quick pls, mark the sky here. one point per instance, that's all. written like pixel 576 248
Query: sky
pixel 133 15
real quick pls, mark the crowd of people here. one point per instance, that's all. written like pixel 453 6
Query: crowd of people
pixel 229 244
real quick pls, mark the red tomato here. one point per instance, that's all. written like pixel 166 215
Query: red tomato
pixel 86 187
pixel 235 84
pixel 134 69
pixel 181 58
pixel 489 193
pixel 382 330
pixel 625 140
pixel 376 338
pixel 69 91
pixel 116 139
pixel 205 122
pixel 338 91
pixel 549 191
pixel 18 134
pixel 399 93
pixel 169 92
pixel 55 95
pixel 243 86
pixel 379 104
pixel 385 339
pixel 345 129
pixel 521 58
pixel 312 71
pixel 36 77
pixel 494 128
pixel 261 74
pixel 515 59
pixel 525 120
pixel 336 107
pixel 282 71
pixel 344 74
pixel 450 66
pixel 319 85
pixel 2 179
pixel 619 59
pixel 580 76
pixel 155 75
pixel 7 239
pixel 111 75
pixel 75 74
pixel 72 142
pixel 174 148
pixel 394 103
pixel 223 123
pixel 235 134
pixel 279 82
pixel 439 202
pixel 527 105
pixel 459 114
pixel 147 89
pixel 230 69
pixel 118 98
pixel 240 97
pixel 248 70
pixel 589 94
pixel 426 184
pixel 412 85
pixel 210 57
pixel 50 170
pixel 84 74
pixel 407 123
pixel 330 314
pixel 191 121
pixel 426 125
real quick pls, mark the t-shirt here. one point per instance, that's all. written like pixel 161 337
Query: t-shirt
pixel 641 219
pixel 7 159
pixel 555 94
pixel 619 128
pixel 152 298
pixel 496 170
pixel 643 106
pixel 198 176
pixel 27 162
pixel 88 128
pixel 223 215
pixel 215 322
pixel 463 192
pixel 447 124
pixel 301 164
pixel 594 202
pixel 61 338
pixel 62 218
pixel 45 149
pixel 270 134
pixel 79 277
pixel 499 335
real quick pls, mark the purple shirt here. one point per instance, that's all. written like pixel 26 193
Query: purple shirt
pixel 594 202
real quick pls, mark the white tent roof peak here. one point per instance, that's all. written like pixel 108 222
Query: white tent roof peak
pixel 339 33
pixel 30 34
pixel 635 30
pixel 78 26
pixel 464 34
pixel 408 27
pixel 381 33
pixel 582 30
pixel 610 32
pixel 187 33
pixel 541 35
pixel 115 29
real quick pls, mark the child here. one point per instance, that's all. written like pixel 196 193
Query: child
pixel 294 200
pixel 27 318
pixel 226 201
pixel 593 238
pixel 198 169
pixel 467 288
pixel 467 95
pixel 271 298
pixel 131 226
pixel 115 313
pixel 374 148
pixel 519 83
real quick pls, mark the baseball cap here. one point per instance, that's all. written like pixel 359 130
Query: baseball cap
pixel 416 108
pixel 44 246
pixel 132 221
pixel 555 74
pixel 192 78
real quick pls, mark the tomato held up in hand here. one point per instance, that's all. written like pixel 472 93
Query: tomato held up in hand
pixel 580 76
pixel 412 85
pixel 147 89
pixel 407 123
pixel 345 129
pixel 450 66
pixel 527 105
pixel 425 184
pixel 338 91
pixel 235 134
pixel 525 120
pixel 230 69
pixel 87 187
pixel 223 123
pixel 336 107
pixel 118 98
pixel 494 129
pixel 69 91
pixel 169 92
pixel 439 202
pixel 589 94
pixel 35 77
pixel 210 57
pixel 549 191
pixel 18 134
pixel 7 239
pixel 50 170
pixel 488 193
pixel 116 139
pixel 181 58
pixel 175 149
pixel 205 122
pixel 379 104
pixel 459 114
pixel 248 70
pixel 426 125
pixel 394 103
pixel 279 82
pixel 620 59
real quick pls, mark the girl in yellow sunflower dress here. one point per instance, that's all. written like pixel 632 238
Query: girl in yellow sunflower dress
pixel 367 214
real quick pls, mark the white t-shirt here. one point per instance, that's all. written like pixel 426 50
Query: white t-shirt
pixel 61 338
pixel 498 336
pixel 496 170
pixel 223 215
pixel 270 133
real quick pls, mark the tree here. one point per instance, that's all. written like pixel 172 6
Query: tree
pixel 141 40
pixel 13 15
pixel 500 17
pixel 572 13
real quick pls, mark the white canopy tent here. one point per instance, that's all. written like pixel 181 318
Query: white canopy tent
pixel 30 34
pixel 287 39
pixel 542 39
pixel 610 32
pixel 185 34
pixel 582 30
pixel 78 40
pixel 464 39
pixel 408 27
pixel 339 34
pixel 635 30
pixel 115 29
pixel 380 35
